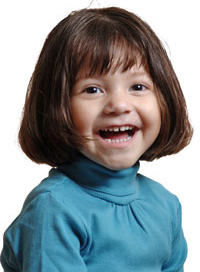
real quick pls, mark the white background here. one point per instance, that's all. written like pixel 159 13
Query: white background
pixel 24 26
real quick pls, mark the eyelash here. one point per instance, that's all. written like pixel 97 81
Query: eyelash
pixel 94 90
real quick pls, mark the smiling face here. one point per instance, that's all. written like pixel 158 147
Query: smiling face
pixel 120 115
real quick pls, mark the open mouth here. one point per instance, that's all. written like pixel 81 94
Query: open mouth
pixel 117 134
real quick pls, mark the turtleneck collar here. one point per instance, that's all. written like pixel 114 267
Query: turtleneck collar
pixel 119 186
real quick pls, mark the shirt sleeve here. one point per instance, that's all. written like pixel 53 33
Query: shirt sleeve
pixel 47 236
pixel 179 246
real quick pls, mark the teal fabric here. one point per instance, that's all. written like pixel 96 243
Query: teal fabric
pixel 86 218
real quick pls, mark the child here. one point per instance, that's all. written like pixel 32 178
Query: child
pixel 102 97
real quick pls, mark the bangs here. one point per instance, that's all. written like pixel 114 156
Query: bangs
pixel 104 49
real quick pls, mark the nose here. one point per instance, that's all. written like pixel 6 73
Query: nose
pixel 118 103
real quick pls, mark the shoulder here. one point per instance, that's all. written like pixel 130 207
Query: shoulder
pixel 48 221
pixel 49 204
pixel 57 187
pixel 52 200
pixel 161 202
pixel 153 191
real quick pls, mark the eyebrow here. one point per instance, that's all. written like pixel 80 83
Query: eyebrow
pixel 140 73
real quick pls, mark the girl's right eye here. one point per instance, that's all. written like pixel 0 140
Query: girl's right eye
pixel 93 90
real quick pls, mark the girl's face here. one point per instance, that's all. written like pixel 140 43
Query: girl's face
pixel 119 112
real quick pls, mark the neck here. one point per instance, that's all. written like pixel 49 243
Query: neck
pixel 93 176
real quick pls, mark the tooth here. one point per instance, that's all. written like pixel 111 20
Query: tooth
pixel 116 129
pixel 122 128
pixel 110 129
pixel 113 141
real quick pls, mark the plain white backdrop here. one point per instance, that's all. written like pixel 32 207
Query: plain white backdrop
pixel 24 26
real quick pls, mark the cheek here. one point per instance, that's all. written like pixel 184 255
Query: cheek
pixel 78 115
pixel 82 117
pixel 151 116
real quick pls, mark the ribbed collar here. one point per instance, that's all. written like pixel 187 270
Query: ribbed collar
pixel 118 186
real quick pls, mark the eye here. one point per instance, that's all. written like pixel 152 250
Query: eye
pixel 93 90
pixel 138 87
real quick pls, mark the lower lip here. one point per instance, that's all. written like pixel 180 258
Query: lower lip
pixel 116 144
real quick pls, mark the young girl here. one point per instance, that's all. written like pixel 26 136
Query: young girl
pixel 102 97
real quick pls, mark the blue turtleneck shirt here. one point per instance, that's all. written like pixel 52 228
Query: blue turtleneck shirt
pixel 87 218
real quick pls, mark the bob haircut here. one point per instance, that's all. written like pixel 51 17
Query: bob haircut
pixel 92 42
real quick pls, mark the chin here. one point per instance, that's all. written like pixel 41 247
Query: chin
pixel 113 161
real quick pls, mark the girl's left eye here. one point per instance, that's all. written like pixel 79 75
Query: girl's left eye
pixel 92 90
pixel 138 87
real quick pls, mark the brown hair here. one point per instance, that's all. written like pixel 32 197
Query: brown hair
pixel 94 41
